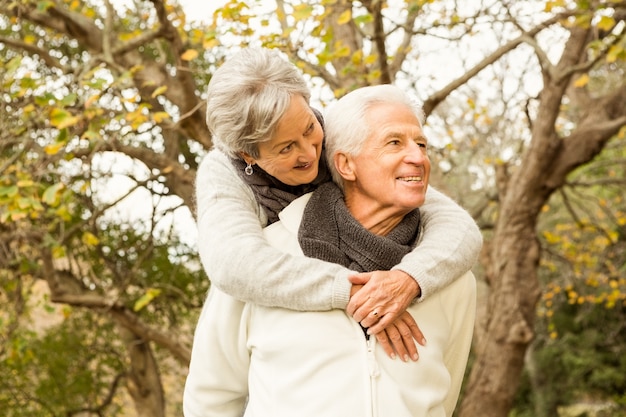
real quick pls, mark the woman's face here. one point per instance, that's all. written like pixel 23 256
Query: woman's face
pixel 292 155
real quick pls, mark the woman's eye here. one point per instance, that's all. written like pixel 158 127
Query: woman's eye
pixel 394 142
pixel 309 129
pixel 286 148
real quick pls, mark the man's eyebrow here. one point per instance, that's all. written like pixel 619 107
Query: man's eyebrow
pixel 400 135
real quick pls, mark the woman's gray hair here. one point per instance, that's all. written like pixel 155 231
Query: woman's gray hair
pixel 346 124
pixel 247 96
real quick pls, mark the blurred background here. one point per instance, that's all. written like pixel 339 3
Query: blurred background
pixel 102 128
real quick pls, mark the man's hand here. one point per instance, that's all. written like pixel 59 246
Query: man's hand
pixel 378 301
pixel 398 338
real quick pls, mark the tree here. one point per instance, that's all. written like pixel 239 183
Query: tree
pixel 81 80
pixel 70 96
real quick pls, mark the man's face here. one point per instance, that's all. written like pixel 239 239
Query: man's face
pixel 392 169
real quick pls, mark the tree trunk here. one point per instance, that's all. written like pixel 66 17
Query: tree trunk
pixel 514 253
pixel 144 381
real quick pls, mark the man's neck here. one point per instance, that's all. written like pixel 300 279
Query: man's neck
pixel 378 220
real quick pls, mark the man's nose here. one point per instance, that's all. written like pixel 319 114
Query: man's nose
pixel 416 153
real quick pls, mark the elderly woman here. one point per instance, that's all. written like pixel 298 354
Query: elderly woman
pixel 287 363
pixel 269 151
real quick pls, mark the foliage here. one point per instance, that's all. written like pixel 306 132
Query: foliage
pixel 584 364
pixel 584 234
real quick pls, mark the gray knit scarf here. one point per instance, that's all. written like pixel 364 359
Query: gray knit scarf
pixel 274 195
pixel 329 232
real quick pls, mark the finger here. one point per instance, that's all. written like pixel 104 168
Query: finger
pixel 414 329
pixel 360 279
pixel 372 318
pixel 384 341
pixel 407 339
pixel 397 342
pixel 365 311
pixel 356 302
pixel 383 323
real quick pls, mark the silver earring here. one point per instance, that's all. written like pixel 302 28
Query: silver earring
pixel 248 169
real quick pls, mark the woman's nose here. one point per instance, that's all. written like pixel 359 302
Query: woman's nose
pixel 309 151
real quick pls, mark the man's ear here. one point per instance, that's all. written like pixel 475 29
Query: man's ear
pixel 345 166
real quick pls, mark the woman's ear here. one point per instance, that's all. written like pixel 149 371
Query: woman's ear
pixel 344 166
pixel 246 157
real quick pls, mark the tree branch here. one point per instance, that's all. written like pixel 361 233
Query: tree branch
pixel 435 99
pixel 122 315
pixel 32 49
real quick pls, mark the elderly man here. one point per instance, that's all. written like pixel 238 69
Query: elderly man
pixel 261 361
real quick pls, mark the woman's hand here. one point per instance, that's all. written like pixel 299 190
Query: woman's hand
pixel 379 301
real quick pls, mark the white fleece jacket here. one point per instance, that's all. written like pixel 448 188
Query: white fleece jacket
pixel 239 261
pixel 311 364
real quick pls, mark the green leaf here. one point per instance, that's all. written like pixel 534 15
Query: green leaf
pixel 302 11
pixel 60 118
pixel 69 100
pixel 52 194
pixel 44 5
pixel 10 191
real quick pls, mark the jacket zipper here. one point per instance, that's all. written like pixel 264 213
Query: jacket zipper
pixel 374 372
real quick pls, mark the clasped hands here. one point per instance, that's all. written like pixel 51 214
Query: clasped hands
pixel 378 300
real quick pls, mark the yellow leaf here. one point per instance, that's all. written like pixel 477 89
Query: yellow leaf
pixel 189 54
pixel 90 239
pixel 606 23
pixel 345 17
pixel 25 183
pixel 91 100
pixel 53 149
pixel 210 43
pixel 160 116
pixel 370 59
pixel 159 91
pixel 614 52
pixel 146 299
pixel 341 50
pixel 18 215
pixel 581 81
pixel 61 119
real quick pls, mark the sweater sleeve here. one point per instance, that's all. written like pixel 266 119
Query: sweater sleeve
pixel 217 382
pixel 237 257
pixel 449 245
pixel 460 308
